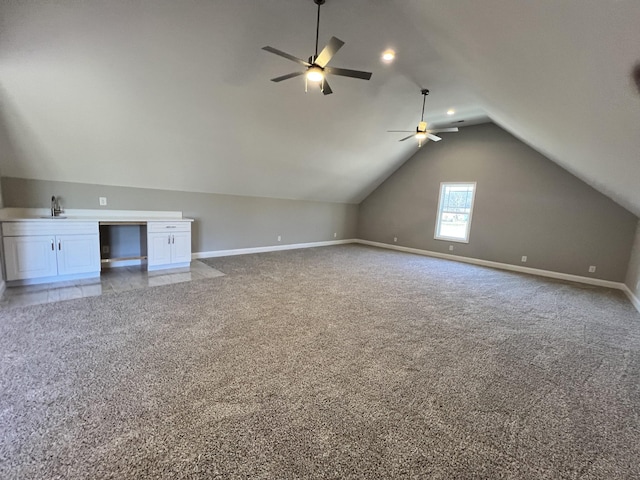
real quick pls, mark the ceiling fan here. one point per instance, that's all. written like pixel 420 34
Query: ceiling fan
pixel 317 68
pixel 422 133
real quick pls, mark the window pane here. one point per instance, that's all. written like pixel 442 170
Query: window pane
pixel 454 225
pixel 454 212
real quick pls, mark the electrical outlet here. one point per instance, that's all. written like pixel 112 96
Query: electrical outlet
pixel 395 239
pixel 279 238
pixel 335 234
pixel 451 248
pixel 592 269
pixel 524 259
pixel 103 201
pixel 105 249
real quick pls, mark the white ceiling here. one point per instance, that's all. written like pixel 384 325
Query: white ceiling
pixel 176 95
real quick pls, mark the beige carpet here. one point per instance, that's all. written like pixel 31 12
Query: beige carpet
pixel 337 362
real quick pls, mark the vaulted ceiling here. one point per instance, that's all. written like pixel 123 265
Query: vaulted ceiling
pixel 176 95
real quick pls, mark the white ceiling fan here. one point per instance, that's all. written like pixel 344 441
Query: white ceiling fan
pixel 422 133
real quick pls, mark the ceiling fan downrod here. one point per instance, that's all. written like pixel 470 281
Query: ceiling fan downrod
pixel 425 92
pixel 317 2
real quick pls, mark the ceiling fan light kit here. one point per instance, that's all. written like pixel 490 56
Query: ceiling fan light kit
pixel 315 74
pixel 422 133
pixel 316 67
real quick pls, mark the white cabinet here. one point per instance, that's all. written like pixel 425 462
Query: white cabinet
pixel 78 254
pixel 158 249
pixel 168 244
pixel 30 257
pixel 46 250
pixel 181 247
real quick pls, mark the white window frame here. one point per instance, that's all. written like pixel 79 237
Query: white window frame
pixel 439 215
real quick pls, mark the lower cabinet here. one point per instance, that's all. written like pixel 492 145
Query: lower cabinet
pixel 30 257
pixel 51 250
pixel 168 244
pixel 34 254
pixel 78 254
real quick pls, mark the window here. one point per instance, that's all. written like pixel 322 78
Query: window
pixel 454 211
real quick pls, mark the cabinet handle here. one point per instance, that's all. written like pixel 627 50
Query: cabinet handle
pixel 171 226
pixel 53 249
pixel 59 246
pixel 173 239
pixel 169 239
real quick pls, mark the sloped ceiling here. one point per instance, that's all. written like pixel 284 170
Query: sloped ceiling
pixel 176 95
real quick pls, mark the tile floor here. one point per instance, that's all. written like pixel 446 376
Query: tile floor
pixel 111 280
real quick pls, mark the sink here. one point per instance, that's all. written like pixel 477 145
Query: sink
pixel 54 218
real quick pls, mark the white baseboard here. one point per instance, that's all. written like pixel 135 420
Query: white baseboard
pixel 501 266
pixel 270 248
pixel 475 261
pixel 633 297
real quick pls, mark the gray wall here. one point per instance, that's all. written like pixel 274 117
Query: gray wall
pixel 222 221
pixel 633 273
pixel 525 205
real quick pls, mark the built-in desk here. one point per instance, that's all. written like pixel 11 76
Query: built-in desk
pixel 122 243
pixel 39 250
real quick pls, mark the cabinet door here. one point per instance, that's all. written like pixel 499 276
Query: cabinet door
pixel 181 247
pixel 78 254
pixel 30 257
pixel 158 249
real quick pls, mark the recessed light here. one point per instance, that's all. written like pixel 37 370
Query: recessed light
pixel 451 111
pixel 388 56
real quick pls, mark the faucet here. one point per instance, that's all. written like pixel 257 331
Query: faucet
pixel 55 207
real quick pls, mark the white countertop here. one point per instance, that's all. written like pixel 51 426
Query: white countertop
pixel 76 215
pixel 62 219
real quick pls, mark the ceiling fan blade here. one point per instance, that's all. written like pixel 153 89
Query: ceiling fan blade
pixel 348 73
pixel 286 77
pixel 326 89
pixel 406 138
pixel 439 130
pixel 329 51
pixel 287 56
pixel 433 137
pixel 400 131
